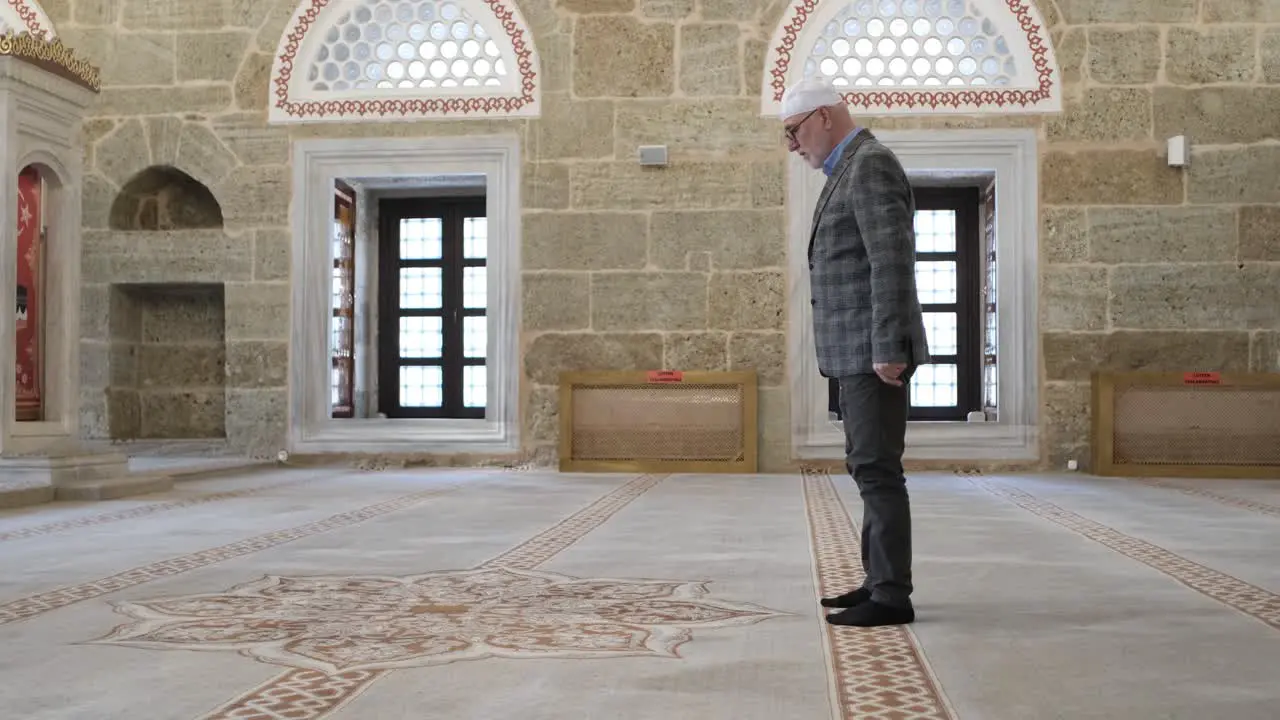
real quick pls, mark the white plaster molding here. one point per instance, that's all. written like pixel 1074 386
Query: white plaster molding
pixel 316 165
pixel 1035 87
pixel 42 113
pixel 295 99
pixel 1012 156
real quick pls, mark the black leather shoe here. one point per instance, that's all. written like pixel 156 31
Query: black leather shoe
pixel 873 614
pixel 848 600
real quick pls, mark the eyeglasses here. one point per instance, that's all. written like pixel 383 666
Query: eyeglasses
pixel 790 132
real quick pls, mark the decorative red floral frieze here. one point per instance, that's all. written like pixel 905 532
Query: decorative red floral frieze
pixel 30 17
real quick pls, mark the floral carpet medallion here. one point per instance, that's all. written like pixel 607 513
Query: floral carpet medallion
pixel 340 623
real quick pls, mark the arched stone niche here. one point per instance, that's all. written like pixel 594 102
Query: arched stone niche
pixel 164 336
pixel 44 92
pixel 162 197
pixel 174 232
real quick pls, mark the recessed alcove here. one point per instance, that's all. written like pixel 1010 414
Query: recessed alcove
pixel 168 361
pixel 163 197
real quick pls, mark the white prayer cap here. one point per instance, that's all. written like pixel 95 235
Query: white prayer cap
pixel 807 95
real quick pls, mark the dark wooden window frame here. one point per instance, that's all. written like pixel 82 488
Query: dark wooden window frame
pixel 966 202
pixel 990 349
pixel 343 355
pixel 452 211
pixel 968 307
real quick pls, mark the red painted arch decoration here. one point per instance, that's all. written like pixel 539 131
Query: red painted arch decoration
pixel 19 16
pixel 296 96
pixel 1036 86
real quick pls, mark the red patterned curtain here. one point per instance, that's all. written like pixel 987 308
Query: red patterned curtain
pixel 29 292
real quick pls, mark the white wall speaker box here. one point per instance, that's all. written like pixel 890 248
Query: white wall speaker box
pixel 653 155
pixel 1178 151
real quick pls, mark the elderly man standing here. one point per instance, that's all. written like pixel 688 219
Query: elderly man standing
pixel 868 329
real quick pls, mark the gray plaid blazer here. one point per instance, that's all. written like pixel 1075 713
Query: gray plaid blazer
pixel 862 265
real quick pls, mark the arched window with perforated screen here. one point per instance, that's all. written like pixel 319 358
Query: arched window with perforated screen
pixel 913 56
pixel 403 60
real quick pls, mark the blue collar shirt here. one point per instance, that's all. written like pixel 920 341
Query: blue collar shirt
pixel 829 165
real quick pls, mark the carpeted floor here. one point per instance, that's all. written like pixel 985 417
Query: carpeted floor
pixel 480 594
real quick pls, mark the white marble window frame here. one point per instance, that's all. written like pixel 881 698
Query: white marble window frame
pixel 1012 156
pixel 317 164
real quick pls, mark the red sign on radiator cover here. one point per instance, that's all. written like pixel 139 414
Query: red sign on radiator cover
pixel 1201 378
pixel 666 376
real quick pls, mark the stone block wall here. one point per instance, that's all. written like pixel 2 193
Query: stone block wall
pixel 1143 265
pixel 1148 267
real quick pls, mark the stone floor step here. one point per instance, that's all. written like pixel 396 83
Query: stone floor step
pixel 115 488
pixel 100 476
pixel 13 495
pixel 181 473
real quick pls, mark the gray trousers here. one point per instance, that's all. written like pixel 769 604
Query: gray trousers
pixel 875 427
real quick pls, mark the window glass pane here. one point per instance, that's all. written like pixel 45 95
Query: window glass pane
pixel 475 336
pixel 342 296
pixel 421 337
pixel 403 45
pixel 940 332
pixel 911 44
pixel 343 245
pixel 475 291
pixel 935 386
pixel 473 385
pixel 421 238
pixel 936 281
pixel 990 386
pixel 475 238
pixel 935 230
pixel 335 397
pixel 421 386
pixel 339 344
pixel 341 385
pixel 421 288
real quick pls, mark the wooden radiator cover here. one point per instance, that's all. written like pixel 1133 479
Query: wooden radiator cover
pixel 658 421
pixel 1199 424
